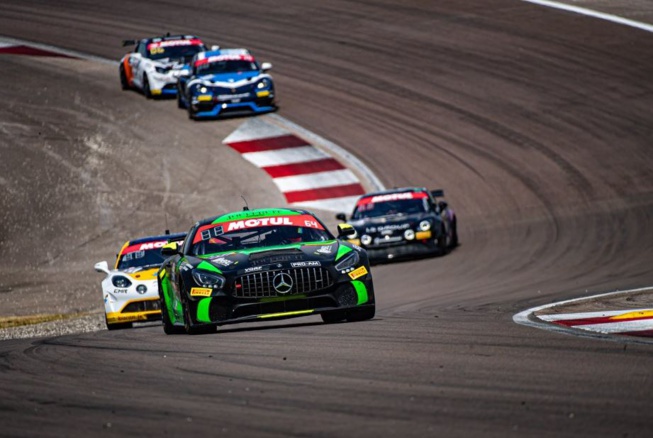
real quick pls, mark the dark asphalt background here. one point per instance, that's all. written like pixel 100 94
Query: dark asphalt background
pixel 536 122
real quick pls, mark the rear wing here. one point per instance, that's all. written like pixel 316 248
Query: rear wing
pixel 439 193
pixel 126 43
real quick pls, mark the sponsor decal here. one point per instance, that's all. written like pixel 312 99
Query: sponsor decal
pixel 358 273
pixel 222 261
pixel 120 291
pixel 392 197
pixel 305 264
pixel 325 250
pixel 211 230
pixel 219 58
pixel 253 269
pixel 146 246
pixel 174 43
pixel 422 235
pixel 201 291
pixel 386 228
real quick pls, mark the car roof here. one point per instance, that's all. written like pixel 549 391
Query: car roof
pixel 158 39
pixel 175 236
pixel 396 190
pixel 252 214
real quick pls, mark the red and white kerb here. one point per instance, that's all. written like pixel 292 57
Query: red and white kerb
pixel 306 175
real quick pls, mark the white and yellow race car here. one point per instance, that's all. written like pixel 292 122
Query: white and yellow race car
pixel 130 290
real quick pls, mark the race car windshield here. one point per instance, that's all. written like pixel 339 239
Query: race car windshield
pixel 226 66
pixel 141 259
pixel 389 208
pixel 175 52
pixel 215 241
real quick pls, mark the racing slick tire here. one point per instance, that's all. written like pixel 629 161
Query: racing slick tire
pixel 443 241
pixel 191 113
pixel 332 317
pixel 453 242
pixel 180 103
pixel 146 87
pixel 361 314
pixel 168 327
pixel 191 329
pixel 124 83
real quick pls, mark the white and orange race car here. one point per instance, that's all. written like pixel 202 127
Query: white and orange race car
pixel 130 290
pixel 156 63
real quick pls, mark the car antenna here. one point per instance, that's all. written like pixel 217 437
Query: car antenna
pixel 165 214
pixel 246 207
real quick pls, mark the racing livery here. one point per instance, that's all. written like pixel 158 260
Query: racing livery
pixel 156 63
pixel 261 265
pixel 403 222
pixel 130 290
pixel 226 82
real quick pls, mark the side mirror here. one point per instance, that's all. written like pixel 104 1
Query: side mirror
pixel 102 267
pixel 341 217
pixel 346 230
pixel 215 47
pixel 266 66
pixel 170 249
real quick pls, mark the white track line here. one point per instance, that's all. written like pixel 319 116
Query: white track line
pixel 593 13
pixel 528 318
pixel 316 180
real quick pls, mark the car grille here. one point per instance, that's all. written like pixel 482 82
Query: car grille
pixel 261 284
pixel 142 306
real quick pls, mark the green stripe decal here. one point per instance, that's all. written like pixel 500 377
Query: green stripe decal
pixel 208 267
pixel 203 310
pixel 361 291
pixel 342 250
pixel 276 315
pixel 165 286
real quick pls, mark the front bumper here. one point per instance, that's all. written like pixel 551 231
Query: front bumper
pixel 226 309
pixel 215 107
pixel 136 311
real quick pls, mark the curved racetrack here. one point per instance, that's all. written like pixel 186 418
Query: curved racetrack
pixel 536 122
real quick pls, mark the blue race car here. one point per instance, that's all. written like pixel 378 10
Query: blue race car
pixel 226 82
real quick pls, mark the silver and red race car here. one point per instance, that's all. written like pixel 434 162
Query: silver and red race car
pixel 156 63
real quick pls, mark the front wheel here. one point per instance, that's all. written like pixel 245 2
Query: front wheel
pixel 168 327
pixel 124 83
pixel 146 88
pixel 180 103
pixel 332 317
pixel 361 314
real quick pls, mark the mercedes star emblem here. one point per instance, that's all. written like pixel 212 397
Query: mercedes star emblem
pixel 282 283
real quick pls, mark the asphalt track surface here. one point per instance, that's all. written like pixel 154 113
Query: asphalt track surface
pixel 536 122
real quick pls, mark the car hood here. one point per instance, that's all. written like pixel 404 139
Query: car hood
pixel 230 78
pixel 390 223
pixel 173 64
pixel 141 274
pixel 294 255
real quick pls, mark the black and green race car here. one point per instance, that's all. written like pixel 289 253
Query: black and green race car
pixel 260 265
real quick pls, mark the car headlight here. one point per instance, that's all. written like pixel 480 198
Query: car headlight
pixel 121 281
pixel 366 239
pixel 203 89
pixel 349 261
pixel 409 234
pixel 206 279
pixel 162 70
pixel 264 83
pixel 425 225
pixel 141 289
